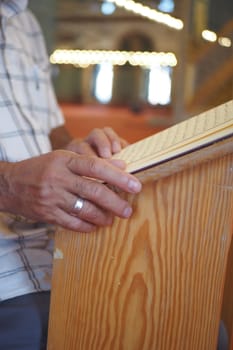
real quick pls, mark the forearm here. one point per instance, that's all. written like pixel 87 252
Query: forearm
pixel 5 170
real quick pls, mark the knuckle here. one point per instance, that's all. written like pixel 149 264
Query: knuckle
pixel 46 183
pixel 93 165
pixel 45 178
pixel 97 191
pixel 93 215
pixel 54 157
pixel 43 193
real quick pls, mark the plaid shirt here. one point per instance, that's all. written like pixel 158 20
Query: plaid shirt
pixel 28 112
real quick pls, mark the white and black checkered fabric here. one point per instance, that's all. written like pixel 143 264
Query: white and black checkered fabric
pixel 28 112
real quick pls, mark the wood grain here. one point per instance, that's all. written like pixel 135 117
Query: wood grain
pixel 227 306
pixel 155 281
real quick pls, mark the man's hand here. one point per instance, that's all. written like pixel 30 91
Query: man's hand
pixel 45 188
pixel 100 142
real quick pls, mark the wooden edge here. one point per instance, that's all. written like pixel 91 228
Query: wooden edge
pixel 188 160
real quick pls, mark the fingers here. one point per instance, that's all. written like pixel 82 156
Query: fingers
pixel 100 142
pixel 81 147
pixel 98 197
pixel 93 214
pixel 94 211
pixel 118 163
pixel 117 143
pixel 89 212
pixel 72 222
pixel 106 142
pixel 97 168
pixel 100 203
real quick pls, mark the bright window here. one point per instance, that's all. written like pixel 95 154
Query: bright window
pixel 159 85
pixel 103 82
pixel 166 6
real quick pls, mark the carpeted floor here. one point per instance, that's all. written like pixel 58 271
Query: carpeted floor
pixel 132 126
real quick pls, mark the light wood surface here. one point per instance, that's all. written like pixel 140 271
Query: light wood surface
pixel 185 137
pixel 155 281
pixel 227 306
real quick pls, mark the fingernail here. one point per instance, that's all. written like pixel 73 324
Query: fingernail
pixel 127 212
pixel 134 186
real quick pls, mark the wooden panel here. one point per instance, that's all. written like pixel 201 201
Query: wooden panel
pixel 155 281
pixel 227 307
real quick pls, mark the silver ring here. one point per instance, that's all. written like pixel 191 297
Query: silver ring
pixel 79 204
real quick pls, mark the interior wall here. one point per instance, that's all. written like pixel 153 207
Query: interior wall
pixel 46 12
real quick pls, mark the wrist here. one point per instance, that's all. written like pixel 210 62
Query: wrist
pixel 5 175
pixel 60 138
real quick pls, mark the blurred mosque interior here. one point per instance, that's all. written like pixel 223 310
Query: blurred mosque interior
pixel 138 66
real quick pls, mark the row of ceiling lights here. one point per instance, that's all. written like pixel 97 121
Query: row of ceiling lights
pixel 147 12
pixel 166 19
pixel 212 37
pixel 84 58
